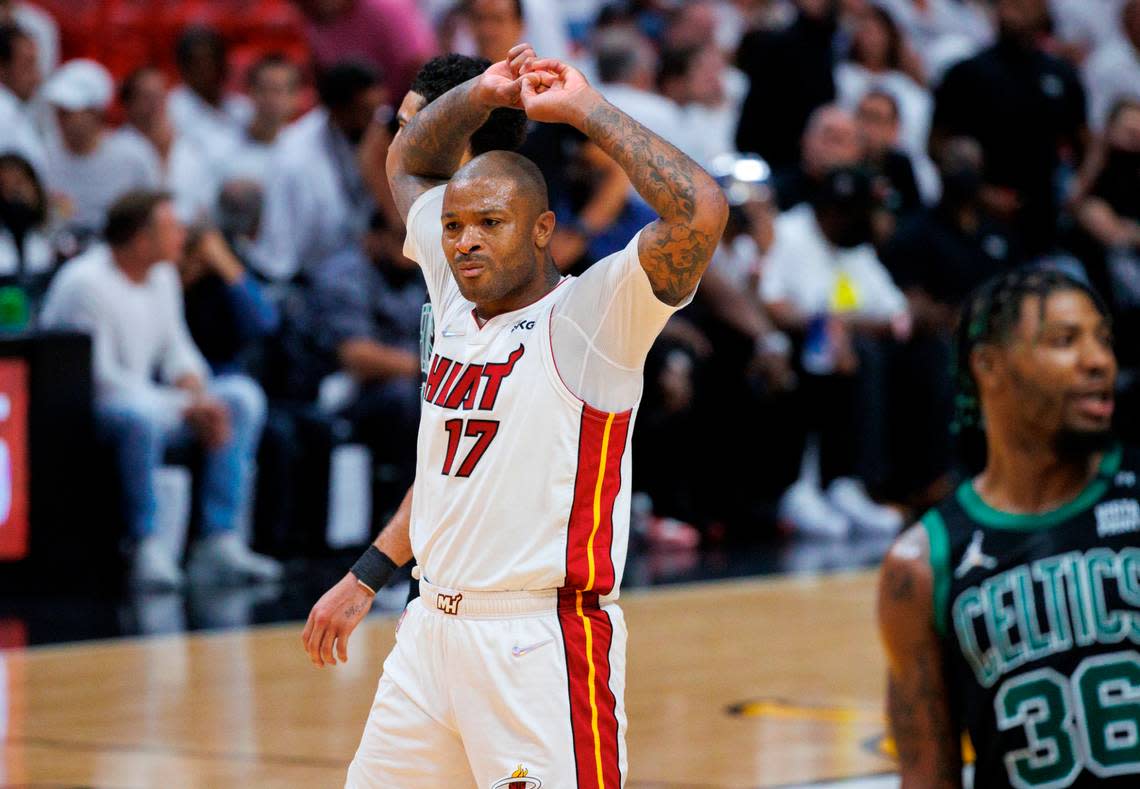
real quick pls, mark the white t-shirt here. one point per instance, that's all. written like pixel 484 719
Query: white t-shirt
pixel 1111 73
pixel 138 331
pixel 186 174
pixel 803 268
pixel 92 182
pixel 523 463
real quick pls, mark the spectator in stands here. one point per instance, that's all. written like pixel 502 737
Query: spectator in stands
pixel 175 163
pixel 127 296
pixel 1027 109
pixel 942 32
pixel 627 64
pixel 26 255
pixel 1113 70
pixel 824 285
pixel 316 200
pixel 89 167
pixel 1079 27
pixel 831 140
pixel 226 311
pixel 877 118
pixel 393 36
pixel 19 80
pixel 776 109
pixel 937 258
pixel 697 79
pixel 274 84
pixel 1111 211
pixel 880 59
pixel 200 108
pixel 366 304
pixel 496 25
pixel 38 24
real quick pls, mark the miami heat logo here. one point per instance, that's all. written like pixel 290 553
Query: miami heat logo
pixel 519 779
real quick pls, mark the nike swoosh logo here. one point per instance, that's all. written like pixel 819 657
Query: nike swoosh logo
pixel 518 651
pixel 454 333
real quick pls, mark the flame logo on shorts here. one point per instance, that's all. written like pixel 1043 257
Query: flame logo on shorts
pixel 519 779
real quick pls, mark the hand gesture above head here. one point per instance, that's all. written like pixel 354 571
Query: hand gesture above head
pixel 553 92
pixel 500 84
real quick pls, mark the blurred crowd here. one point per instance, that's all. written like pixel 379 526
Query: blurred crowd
pixel 227 237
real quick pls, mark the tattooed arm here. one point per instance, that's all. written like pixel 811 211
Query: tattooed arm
pixel 676 249
pixel 925 734
pixel 427 151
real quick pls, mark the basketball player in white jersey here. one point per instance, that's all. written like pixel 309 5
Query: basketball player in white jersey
pixel 509 670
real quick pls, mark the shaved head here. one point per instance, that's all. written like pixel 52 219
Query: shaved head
pixel 496 232
pixel 524 176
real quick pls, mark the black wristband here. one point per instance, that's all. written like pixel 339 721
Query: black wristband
pixel 373 568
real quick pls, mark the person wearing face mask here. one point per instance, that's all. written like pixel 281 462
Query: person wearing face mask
pixel 26 255
pixel 824 285
pixel 937 257
pixel 316 199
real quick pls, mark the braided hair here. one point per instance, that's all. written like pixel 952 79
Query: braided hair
pixel 990 315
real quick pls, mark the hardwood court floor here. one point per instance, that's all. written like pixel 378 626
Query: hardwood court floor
pixel 798 656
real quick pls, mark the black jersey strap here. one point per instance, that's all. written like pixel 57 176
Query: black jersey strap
pixel 939 539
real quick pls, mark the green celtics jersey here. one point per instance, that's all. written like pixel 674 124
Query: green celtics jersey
pixel 1040 621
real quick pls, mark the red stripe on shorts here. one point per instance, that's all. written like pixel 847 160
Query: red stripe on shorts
pixel 588 634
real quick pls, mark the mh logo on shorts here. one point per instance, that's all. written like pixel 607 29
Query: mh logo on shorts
pixel 449 603
pixel 519 779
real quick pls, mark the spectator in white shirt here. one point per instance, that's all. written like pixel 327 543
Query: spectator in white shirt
pixel 153 390
pixel 38 24
pixel 316 201
pixel 942 32
pixel 709 96
pixel 19 80
pixel 88 166
pixel 824 284
pixel 274 85
pixel 200 108
pixel 627 72
pixel 1113 71
pixel 175 163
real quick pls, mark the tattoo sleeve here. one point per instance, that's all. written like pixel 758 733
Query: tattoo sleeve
pixel 925 732
pixel 429 149
pixel 676 249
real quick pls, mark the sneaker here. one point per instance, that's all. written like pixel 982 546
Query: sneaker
pixel 850 497
pixel 224 559
pixel 153 567
pixel 804 508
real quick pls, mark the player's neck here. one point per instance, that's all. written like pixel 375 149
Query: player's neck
pixel 1032 478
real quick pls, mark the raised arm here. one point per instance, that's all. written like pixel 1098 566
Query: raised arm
pixel 676 249
pixel 918 707
pixel 427 151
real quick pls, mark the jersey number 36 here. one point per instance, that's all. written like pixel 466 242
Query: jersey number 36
pixel 1089 721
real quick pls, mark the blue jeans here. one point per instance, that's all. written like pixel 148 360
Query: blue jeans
pixel 142 437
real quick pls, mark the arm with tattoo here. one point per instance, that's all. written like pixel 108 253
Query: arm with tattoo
pixel 427 151
pixel 676 249
pixel 918 708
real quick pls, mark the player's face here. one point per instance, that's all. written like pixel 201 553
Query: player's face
pixel 1060 369
pixel 488 237
pixel 412 103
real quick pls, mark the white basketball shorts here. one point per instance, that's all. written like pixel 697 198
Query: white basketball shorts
pixel 499 690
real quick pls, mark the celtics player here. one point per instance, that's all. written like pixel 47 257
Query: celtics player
pixel 1012 610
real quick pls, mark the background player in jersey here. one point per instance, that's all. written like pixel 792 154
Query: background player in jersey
pixel 1012 610
pixel 515 653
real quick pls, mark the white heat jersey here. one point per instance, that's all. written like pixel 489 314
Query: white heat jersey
pixel 520 484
